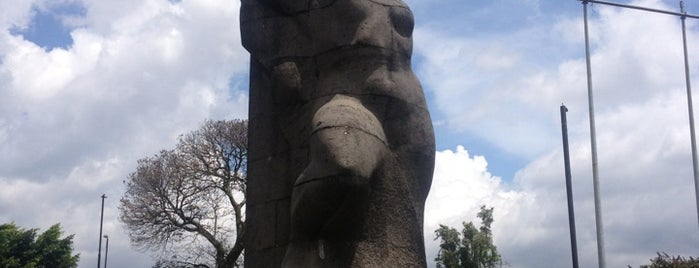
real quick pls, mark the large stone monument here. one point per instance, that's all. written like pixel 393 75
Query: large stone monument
pixel 341 149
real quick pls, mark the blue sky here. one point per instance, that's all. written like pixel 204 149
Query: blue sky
pixel 88 87
pixel 47 27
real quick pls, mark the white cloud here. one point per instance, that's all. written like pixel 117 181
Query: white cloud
pixel 477 79
pixel 15 14
pixel 635 56
pixel 74 121
pixel 461 185
pixel 646 188
pixel 127 78
pixel 645 179
pixel 643 140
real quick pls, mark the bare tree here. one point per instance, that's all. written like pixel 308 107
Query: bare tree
pixel 189 202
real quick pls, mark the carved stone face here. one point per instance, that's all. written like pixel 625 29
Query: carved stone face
pixel 334 100
pixel 302 29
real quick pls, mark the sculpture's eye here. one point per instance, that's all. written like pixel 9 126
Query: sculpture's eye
pixel 402 20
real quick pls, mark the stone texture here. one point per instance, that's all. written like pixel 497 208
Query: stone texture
pixel 341 145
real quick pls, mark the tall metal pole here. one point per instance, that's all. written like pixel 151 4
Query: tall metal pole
pixel 593 142
pixel 691 110
pixel 106 251
pixel 569 187
pixel 99 250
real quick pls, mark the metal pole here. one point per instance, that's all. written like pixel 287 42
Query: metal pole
pixel 683 15
pixel 593 143
pixel 106 251
pixel 569 187
pixel 691 110
pixel 99 250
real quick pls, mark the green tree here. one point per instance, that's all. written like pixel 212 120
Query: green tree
pixel 22 248
pixel 663 260
pixel 187 204
pixel 472 248
pixel 450 248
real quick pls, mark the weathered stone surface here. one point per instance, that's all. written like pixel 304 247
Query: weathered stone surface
pixel 341 144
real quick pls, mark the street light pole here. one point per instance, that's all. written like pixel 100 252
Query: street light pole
pixel 569 186
pixel 593 145
pixel 99 249
pixel 106 251
pixel 688 84
pixel 695 159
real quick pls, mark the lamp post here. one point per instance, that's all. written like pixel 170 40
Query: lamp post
pixel 99 249
pixel 106 251
pixel 695 159
pixel 593 146
pixel 695 163
pixel 569 187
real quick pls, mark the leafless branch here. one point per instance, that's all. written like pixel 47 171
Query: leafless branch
pixel 180 193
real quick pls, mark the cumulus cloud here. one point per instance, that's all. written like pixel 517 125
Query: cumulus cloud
pixel 635 56
pixel 160 66
pixel 74 120
pixel 642 132
pixel 647 194
pixel 461 185
pixel 474 79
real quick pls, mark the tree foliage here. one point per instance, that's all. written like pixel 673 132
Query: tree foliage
pixel 663 260
pixel 187 203
pixel 472 248
pixel 23 248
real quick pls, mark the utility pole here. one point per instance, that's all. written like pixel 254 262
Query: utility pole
pixel 99 250
pixel 688 83
pixel 569 187
pixel 683 16
pixel 593 145
pixel 106 251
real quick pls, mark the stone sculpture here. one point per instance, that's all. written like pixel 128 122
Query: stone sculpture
pixel 341 143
